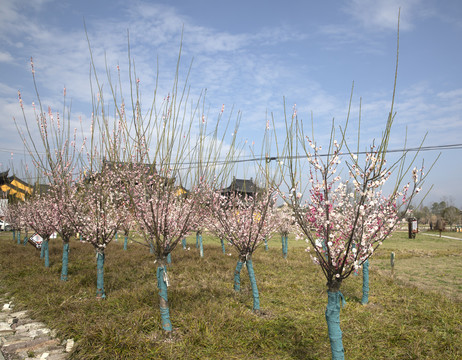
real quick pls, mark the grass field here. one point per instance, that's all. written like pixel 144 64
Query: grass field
pixel 417 314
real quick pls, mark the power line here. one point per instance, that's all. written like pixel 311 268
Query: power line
pixel 272 158
pixel 188 165
pixel 261 157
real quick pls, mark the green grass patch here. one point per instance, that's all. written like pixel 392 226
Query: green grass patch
pixel 428 263
pixel 211 321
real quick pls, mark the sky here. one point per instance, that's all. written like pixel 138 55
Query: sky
pixel 254 57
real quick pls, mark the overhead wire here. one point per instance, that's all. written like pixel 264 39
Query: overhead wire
pixel 193 164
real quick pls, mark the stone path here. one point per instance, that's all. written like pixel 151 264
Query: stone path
pixel 23 338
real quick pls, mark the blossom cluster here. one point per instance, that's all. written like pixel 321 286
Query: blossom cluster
pixel 39 215
pixel 162 211
pixel 345 223
pixel 244 221
pixel 94 207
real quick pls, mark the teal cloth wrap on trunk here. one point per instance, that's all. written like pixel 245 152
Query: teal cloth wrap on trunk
pixel 365 298
pixel 266 244
pixel 42 250
pixel 19 237
pixel 14 235
pixel 65 261
pixel 100 294
pixel 201 246
pixel 116 236
pixel 163 299
pixel 284 246
pixel 26 237
pixel 183 242
pixel 46 253
pixel 223 246
pixel 169 258
pixel 237 275
pixel 333 324
pixel 125 242
pixel 253 285
pixel 197 240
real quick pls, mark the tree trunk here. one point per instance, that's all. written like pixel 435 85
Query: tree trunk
pixel 266 244
pixel 223 246
pixel 19 237
pixel 25 238
pixel 125 242
pixel 253 284
pixel 100 294
pixel 334 296
pixel 46 253
pixel 65 261
pixel 365 298
pixel 183 242
pixel 169 258
pixel 237 274
pixel 116 236
pixel 197 240
pixel 284 246
pixel 201 246
pixel 14 235
pixel 163 299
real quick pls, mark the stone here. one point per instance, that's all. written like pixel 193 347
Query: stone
pixel 24 338
pixel 38 332
pixel 69 345
pixel 5 329
pixel 33 328
pixel 19 314
pixel 57 355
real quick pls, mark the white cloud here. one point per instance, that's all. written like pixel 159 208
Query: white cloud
pixel 378 15
pixel 7 90
pixel 6 57
pixel 455 94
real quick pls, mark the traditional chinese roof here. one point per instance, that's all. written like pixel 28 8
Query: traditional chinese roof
pixel 4 177
pixel 14 187
pixel 242 186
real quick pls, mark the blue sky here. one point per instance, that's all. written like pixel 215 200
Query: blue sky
pixel 251 54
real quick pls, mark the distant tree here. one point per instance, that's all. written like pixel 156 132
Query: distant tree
pixel 94 211
pixel 55 152
pixel 14 217
pixel 437 208
pixel 286 224
pixel 39 216
pixel 164 218
pixel 61 192
pixel 244 221
pixel 451 215
pixel 422 214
